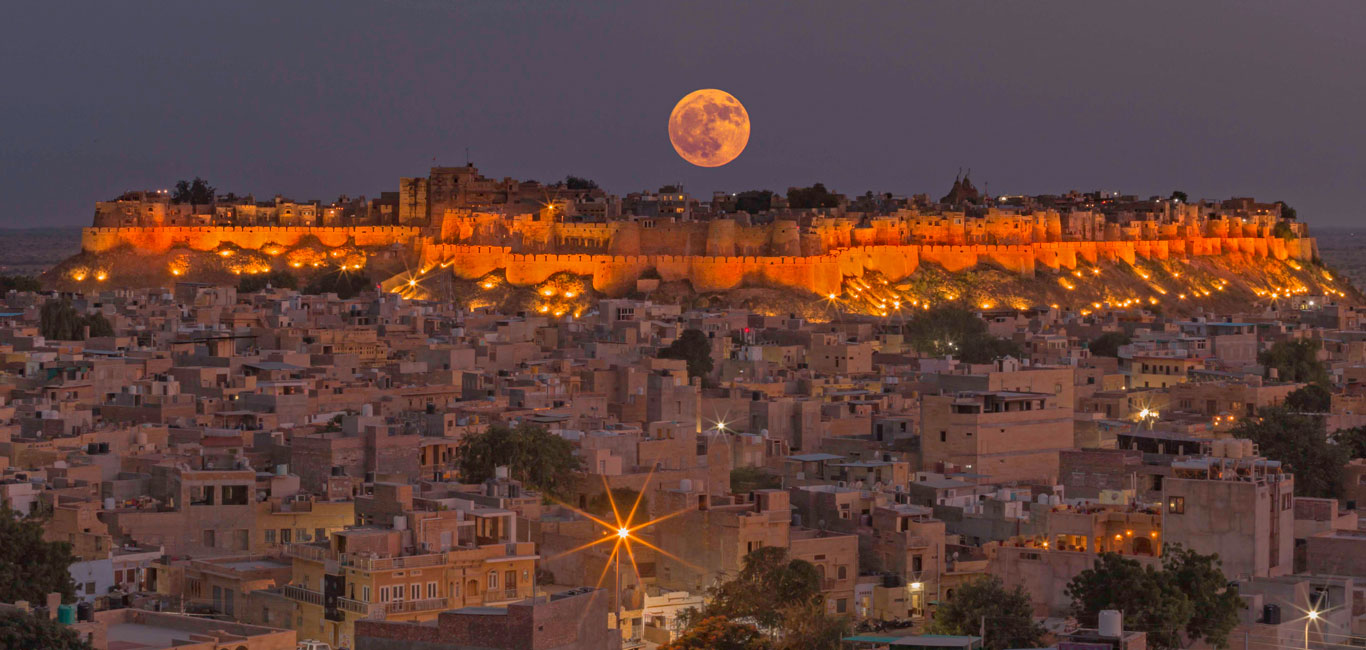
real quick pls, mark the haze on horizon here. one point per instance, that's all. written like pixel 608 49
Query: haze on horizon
pixel 311 100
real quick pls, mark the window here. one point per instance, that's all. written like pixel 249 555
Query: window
pixel 841 606
pixel 286 535
pixel 493 580
pixel 270 535
pixel 943 436
pixel 415 591
pixel 365 593
pixel 1176 505
pixel 431 590
pixel 383 594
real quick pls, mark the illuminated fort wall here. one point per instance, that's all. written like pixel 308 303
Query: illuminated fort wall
pixel 822 274
pixel 161 239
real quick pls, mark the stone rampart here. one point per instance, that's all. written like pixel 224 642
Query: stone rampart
pixel 205 238
pixel 823 274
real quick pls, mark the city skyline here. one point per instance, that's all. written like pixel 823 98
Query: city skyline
pixel 1063 96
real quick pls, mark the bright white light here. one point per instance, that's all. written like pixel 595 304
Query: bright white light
pixel 623 533
pixel 1313 615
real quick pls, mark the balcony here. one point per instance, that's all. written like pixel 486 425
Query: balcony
pixel 415 606
pixel 493 596
pixel 366 610
pixel 295 592
pixel 401 562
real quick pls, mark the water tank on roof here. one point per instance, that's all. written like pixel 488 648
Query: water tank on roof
pixel 367 410
pixel 1248 448
pixel 282 469
pixel 66 614
pixel 141 437
pixel 400 522
pixel 1111 623
pixel 1218 448
pixel 1234 449
pixel 109 503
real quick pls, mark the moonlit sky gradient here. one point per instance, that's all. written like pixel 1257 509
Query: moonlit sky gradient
pixel 315 99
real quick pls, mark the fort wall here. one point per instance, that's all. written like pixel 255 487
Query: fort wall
pixel 206 238
pixel 823 274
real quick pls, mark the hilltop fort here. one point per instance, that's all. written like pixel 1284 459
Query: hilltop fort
pixel 456 225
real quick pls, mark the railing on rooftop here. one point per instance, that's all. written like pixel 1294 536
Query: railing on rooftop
pixel 366 610
pixel 502 595
pixel 302 594
pixel 402 562
pixel 412 606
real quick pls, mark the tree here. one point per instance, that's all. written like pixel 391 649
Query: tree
pixel 1352 441
pixel 1178 195
pixel 21 630
pixel 806 626
pixel 1107 344
pixel 694 347
pixel 958 332
pixel 719 633
pixel 196 192
pixel 576 183
pixel 1215 603
pixel 345 285
pixel 1295 361
pixel 1300 442
pixel 1187 599
pixel 279 279
pixel 58 320
pixel 1313 398
pixel 1283 230
pixel 807 198
pixel 1287 212
pixel 30 567
pixel 19 283
pixel 1009 615
pixel 535 456
pixel 754 201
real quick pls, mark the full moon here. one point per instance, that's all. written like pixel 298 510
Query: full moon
pixel 709 127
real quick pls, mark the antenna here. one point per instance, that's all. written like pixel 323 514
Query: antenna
pixel 467 156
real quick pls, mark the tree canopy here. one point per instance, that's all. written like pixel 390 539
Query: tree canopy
pixel 1352 441
pixel 534 456
pixel 195 192
pixel 958 332
pixel 1188 598
pixel 1296 361
pixel 575 183
pixel 20 630
pixel 781 596
pixel 1313 398
pixel 719 633
pixel 59 321
pixel 345 284
pixel 694 347
pixel 1302 444
pixel 19 283
pixel 1107 344
pixel 279 279
pixel 1178 195
pixel 1009 614
pixel 816 196
pixel 754 201
pixel 31 567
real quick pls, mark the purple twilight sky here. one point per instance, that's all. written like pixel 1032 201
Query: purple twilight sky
pixel 316 99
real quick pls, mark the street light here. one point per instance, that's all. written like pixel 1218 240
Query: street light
pixel 1311 617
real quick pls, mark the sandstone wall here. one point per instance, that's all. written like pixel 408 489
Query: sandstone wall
pixel 824 274
pixel 206 238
